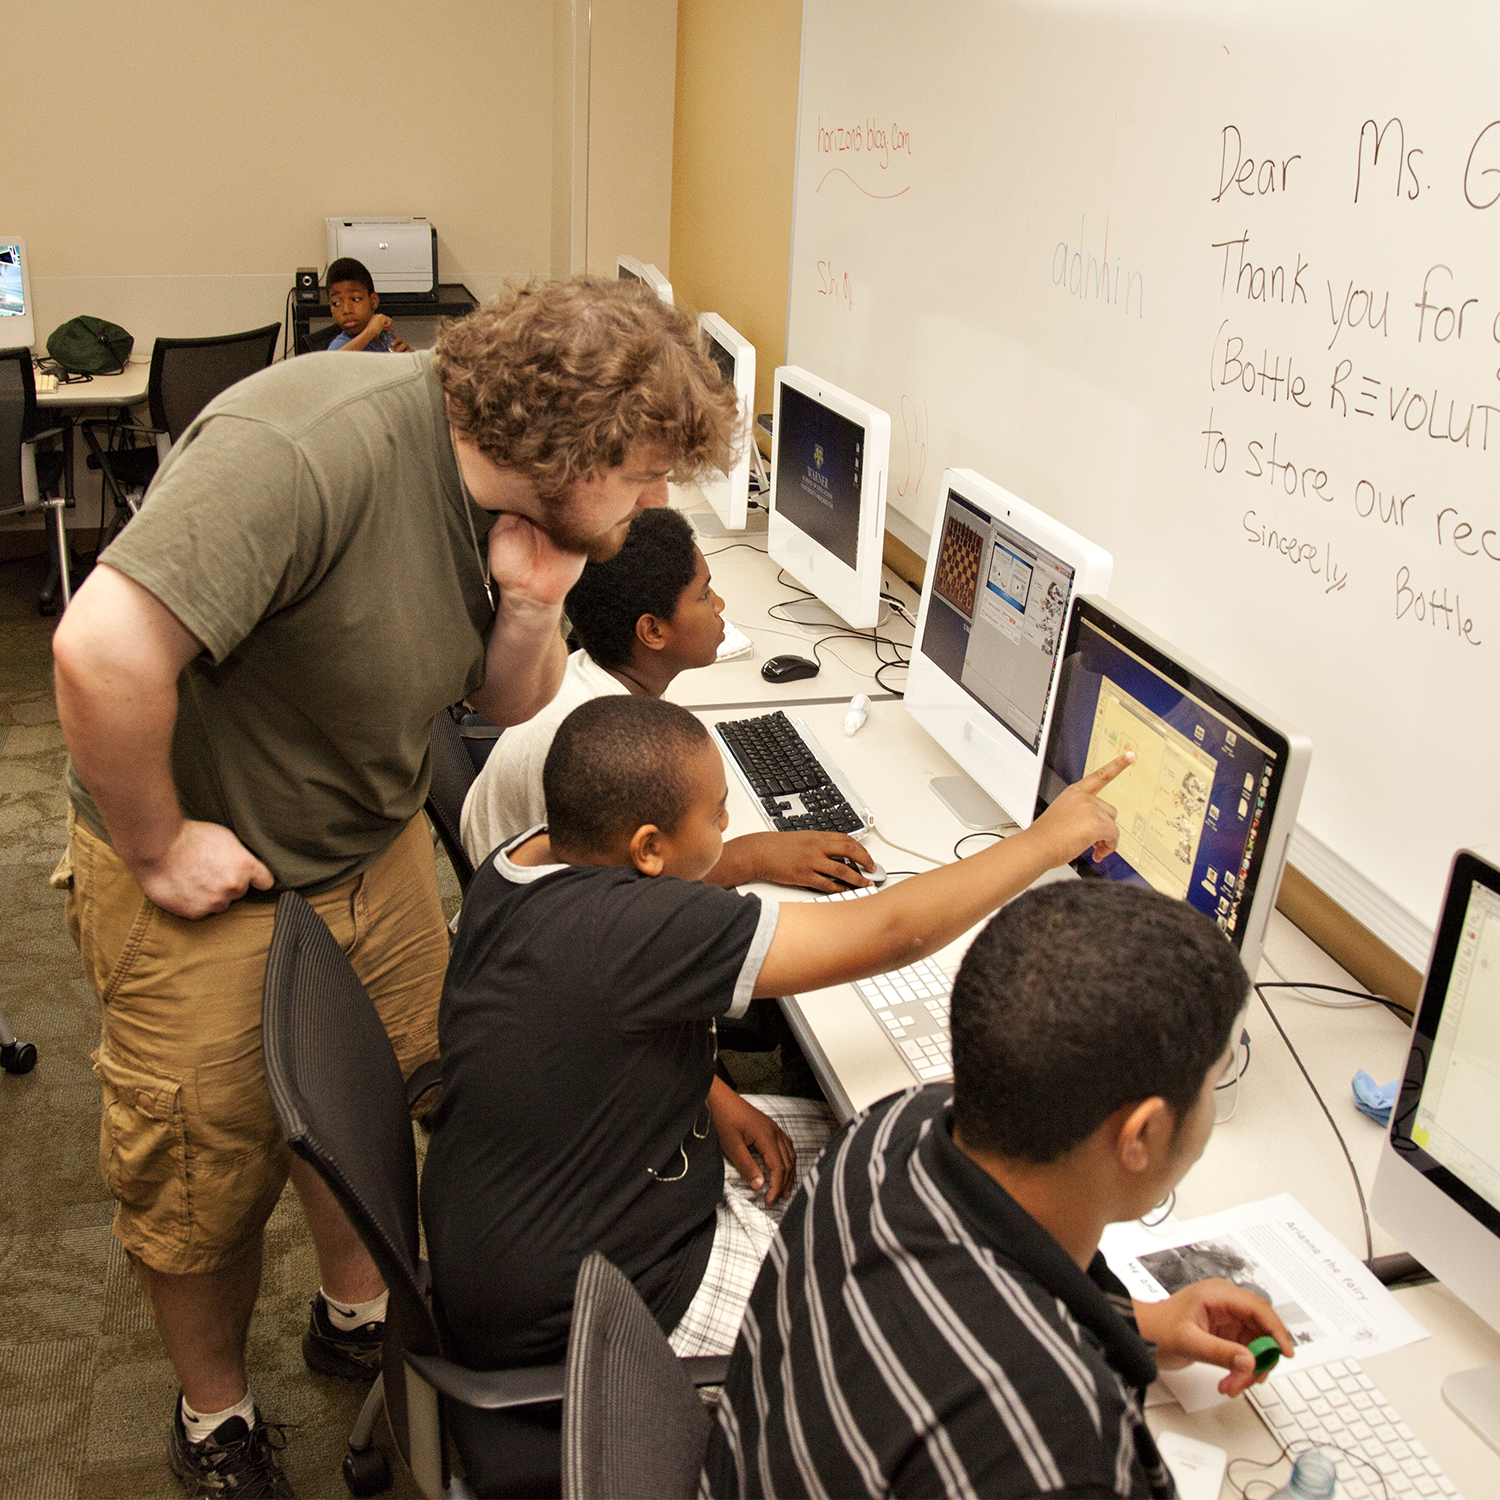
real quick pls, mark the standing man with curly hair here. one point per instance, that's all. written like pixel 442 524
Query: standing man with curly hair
pixel 334 551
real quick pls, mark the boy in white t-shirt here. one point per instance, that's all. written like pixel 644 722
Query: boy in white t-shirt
pixel 647 614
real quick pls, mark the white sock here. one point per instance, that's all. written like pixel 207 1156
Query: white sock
pixel 200 1425
pixel 347 1316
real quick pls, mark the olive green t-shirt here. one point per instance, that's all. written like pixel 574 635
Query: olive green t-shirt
pixel 309 529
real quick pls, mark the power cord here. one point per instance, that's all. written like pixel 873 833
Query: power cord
pixel 915 853
pixel 1364 1208
pixel 1357 997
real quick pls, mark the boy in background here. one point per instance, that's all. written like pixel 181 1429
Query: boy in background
pixel 935 1316
pixel 641 617
pixel 354 303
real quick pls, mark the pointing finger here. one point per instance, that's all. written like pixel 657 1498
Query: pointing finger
pixel 1103 775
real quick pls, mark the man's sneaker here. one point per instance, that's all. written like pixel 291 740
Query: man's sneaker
pixel 234 1460
pixel 354 1355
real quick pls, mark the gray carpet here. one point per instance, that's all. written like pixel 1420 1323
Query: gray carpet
pixel 85 1390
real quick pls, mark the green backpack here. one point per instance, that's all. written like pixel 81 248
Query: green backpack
pixel 90 346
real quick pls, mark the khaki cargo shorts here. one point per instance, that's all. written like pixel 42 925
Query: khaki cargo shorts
pixel 188 1145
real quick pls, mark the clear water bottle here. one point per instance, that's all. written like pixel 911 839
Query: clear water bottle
pixel 1313 1478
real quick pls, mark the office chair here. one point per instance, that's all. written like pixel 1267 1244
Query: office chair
pixel 339 1097
pixel 458 751
pixel 315 343
pixel 15 1057
pixel 186 374
pixel 632 1423
pixel 30 481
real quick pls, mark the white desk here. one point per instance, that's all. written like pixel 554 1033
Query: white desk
pixel 70 403
pixel 746 580
pixel 128 388
pixel 1278 1140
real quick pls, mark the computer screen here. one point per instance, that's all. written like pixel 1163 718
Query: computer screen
pixel 829 454
pixel 729 494
pixel 1207 810
pixel 17 314
pixel 628 268
pixel 1437 1188
pixel 1001 576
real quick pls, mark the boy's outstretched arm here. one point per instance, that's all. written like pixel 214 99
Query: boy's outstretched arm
pixel 819 943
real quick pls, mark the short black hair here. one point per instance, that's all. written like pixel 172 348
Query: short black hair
pixel 346 268
pixel 616 763
pixel 1078 998
pixel 646 576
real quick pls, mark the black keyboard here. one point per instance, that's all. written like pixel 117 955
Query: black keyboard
pixel 796 783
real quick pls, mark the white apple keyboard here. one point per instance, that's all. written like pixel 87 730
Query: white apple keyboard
pixel 735 643
pixel 1338 1408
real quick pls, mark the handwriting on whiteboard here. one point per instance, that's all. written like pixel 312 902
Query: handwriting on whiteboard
pixel 914 430
pixel 860 144
pixel 1403 366
pixel 835 284
pixel 1084 272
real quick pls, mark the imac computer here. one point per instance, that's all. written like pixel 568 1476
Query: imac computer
pixel 1001 577
pixel 729 494
pixel 628 268
pixel 17 312
pixel 1207 810
pixel 1437 1188
pixel 829 454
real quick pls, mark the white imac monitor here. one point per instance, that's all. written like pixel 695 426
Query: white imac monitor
pixel 17 311
pixel 628 268
pixel 1001 576
pixel 1207 810
pixel 729 494
pixel 1437 1188
pixel 829 455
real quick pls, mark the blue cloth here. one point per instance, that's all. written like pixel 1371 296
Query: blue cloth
pixel 1375 1099
pixel 382 345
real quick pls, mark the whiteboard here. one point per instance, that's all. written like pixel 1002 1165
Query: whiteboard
pixel 1218 287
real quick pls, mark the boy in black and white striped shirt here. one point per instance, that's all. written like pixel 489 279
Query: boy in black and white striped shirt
pixel 934 1317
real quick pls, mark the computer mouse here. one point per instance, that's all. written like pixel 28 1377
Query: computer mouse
pixel 875 876
pixel 789 669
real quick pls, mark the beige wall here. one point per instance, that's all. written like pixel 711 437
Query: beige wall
pixel 238 128
pixel 734 149
pixel 632 49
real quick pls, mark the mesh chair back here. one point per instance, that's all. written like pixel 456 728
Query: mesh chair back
pixel 186 374
pixel 338 1095
pixel 17 420
pixel 632 1423
pixel 452 776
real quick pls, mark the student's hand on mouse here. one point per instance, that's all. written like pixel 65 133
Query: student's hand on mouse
pixel 806 859
pixel 1080 817
pixel 744 1130
pixel 1211 1322
pixel 527 566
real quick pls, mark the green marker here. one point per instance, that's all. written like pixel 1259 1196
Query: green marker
pixel 1266 1351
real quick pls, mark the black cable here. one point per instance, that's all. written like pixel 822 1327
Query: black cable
pixel 1358 1186
pixel 1163 1211
pixel 286 326
pixel 880 681
pixel 729 547
pixel 1333 989
pixel 979 833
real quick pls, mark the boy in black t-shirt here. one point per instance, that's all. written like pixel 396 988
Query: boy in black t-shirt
pixel 580 1108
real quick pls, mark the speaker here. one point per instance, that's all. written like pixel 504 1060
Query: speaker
pixel 307 284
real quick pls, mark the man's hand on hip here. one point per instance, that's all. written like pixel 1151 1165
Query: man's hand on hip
pixel 203 870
